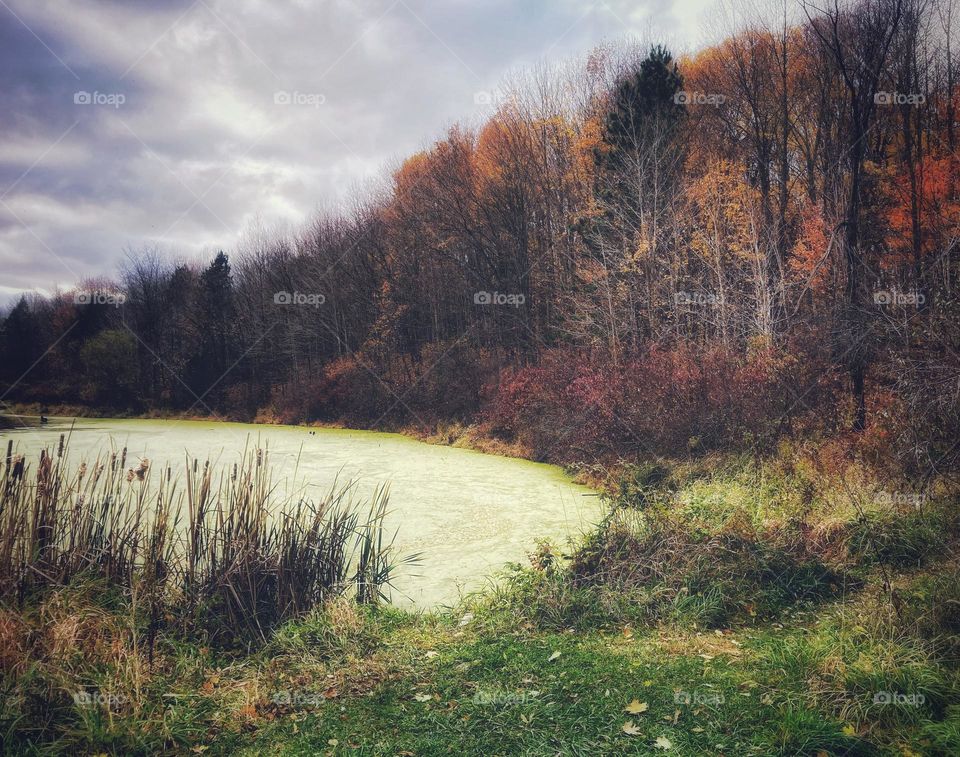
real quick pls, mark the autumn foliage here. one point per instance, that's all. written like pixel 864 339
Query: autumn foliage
pixel 632 254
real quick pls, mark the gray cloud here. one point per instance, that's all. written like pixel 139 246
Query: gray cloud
pixel 199 146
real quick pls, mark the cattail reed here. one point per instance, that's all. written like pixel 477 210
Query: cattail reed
pixel 215 551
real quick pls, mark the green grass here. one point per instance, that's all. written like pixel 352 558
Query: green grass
pixel 365 680
pixel 512 695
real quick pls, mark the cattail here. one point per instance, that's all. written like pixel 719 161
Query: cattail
pixel 43 473
pixel 60 447
pixel 123 458
pixel 141 471
pixel 83 471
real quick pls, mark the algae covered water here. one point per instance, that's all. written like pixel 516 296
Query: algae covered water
pixel 465 512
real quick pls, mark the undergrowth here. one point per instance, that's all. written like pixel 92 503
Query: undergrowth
pixel 723 607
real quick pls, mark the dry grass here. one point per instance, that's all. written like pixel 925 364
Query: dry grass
pixel 221 550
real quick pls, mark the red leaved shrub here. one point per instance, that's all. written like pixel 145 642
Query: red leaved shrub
pixel 662 402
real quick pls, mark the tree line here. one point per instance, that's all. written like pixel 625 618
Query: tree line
pixel 778 213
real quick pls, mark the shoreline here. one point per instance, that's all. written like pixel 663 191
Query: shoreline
pixel 456 434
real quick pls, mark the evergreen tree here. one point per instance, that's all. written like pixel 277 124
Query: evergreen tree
pixel 20 337
pixel 643 105
pixel 216 319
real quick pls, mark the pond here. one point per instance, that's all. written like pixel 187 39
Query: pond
pixel 466 512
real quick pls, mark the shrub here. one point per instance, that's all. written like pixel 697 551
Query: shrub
pixel 663 402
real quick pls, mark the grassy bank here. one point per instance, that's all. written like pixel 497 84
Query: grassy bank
pixel 728 606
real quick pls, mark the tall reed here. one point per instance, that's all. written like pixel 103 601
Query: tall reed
pixel 219 550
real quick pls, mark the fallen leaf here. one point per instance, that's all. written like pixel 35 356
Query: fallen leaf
pixel 630 729
pixel 554 656
pixel 423 697
pixel 431 654
pixel 636 707
pixel 663 742
pixel 332 742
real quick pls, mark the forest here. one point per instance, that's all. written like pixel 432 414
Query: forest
pixel 757 239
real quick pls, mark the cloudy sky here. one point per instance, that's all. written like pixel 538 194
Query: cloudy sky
pixel 181 122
